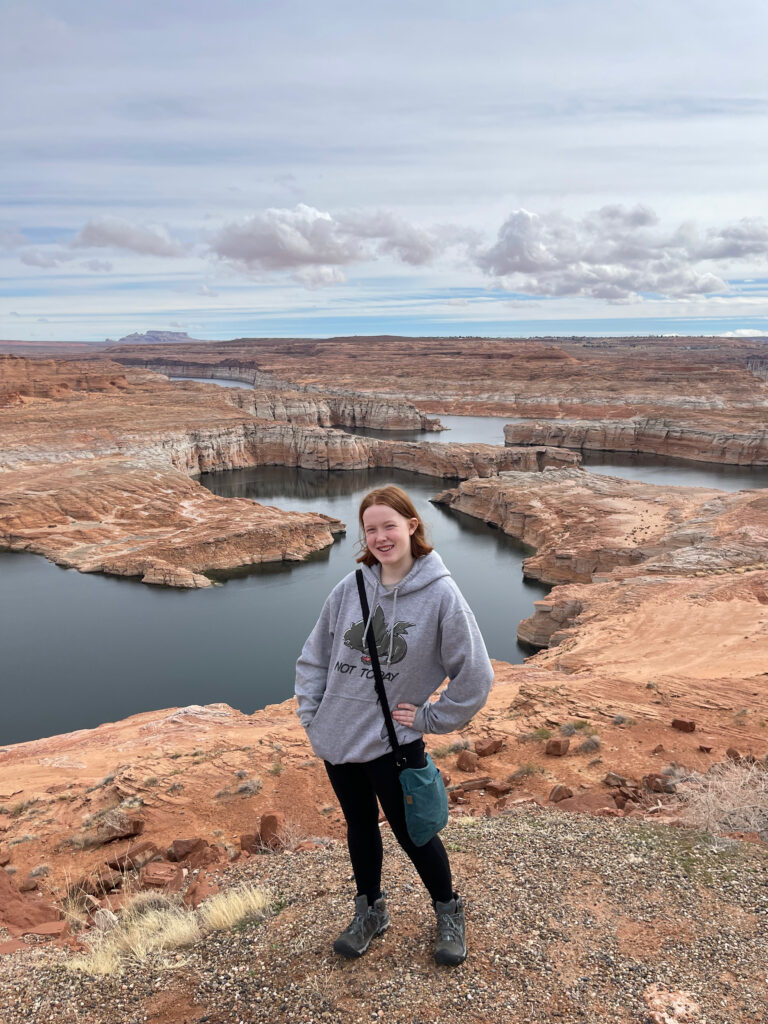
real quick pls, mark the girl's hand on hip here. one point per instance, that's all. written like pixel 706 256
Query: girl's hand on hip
pixel 405 714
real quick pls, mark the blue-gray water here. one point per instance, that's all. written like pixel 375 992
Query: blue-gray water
pixel 78 649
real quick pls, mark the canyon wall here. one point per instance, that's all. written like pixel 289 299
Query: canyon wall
pixel 652 436
pixel 277 399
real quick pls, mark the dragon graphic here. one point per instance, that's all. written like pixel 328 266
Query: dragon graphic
pixel 354 638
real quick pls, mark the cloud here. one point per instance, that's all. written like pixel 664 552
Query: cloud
pixel 208 292
pixel 615 253
pixel 98 266
pixel 10 238
pixel 116 233
pixel 744 332
pixel 314 244
pixel 45 258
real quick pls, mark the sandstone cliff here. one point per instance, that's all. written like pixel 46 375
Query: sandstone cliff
pixel 654 566
pixel 654 436
pixel 277 399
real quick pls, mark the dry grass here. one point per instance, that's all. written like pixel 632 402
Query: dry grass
pixel 153 924
pixel 731 797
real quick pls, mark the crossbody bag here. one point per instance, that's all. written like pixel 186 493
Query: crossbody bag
pixel 424 796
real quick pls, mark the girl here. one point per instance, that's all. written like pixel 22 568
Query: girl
pixel 424 631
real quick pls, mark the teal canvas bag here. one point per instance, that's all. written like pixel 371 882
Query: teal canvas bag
pixel 424 796
pixel 426 801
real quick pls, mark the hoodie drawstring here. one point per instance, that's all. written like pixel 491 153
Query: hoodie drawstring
pixel 371 608
pixel 392 627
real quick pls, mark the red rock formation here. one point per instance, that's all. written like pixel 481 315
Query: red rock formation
pixel 694 441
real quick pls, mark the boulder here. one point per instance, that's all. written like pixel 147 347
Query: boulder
pixel 499 789
pixel 656 783
pixel 484 748
pixel 271 828
pixel 98 882
pixel 194 853
pixel 467 761
pixel 557 746
pixel 560 792
pixel 200 890
pixel 127 826
pixel 683 725
pixel 614 780
pixel 135 857
pixel 589 802
pixel 471 784
pixel 161 874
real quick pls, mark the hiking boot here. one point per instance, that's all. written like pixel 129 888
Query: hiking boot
pixel 451 943
pixel 367 923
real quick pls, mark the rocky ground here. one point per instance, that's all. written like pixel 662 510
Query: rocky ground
pixel 571 918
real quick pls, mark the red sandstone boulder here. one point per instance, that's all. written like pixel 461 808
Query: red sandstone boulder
pixel 5 858
pixel 557 746
pixel 135 857
pixel 271 828
pixel 590 802
pixel 656 783
pixel 559 793
pixel 499 789
pixel 471 784
pixel 127 826
pixel 683 725
pixel 250 842
pixel 98 882
pixel 200 890
pixel 484 748
pixel 192 852
pixel 467 761
pixel 160 874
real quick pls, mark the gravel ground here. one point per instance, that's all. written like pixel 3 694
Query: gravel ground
pixel 570 919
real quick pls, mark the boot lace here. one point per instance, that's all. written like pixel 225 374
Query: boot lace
pixel 448 927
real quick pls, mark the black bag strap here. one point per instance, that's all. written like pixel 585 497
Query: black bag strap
pixel 381 693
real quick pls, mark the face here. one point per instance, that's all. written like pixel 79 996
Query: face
pixel 388 538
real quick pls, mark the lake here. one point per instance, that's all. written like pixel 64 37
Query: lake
pixel 81 649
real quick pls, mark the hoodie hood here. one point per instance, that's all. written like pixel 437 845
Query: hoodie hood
pixel 425 570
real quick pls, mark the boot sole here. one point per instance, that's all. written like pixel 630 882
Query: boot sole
pixel 352 954
pixel 446 960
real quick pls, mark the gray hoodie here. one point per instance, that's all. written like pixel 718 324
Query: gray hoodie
pixel 424 631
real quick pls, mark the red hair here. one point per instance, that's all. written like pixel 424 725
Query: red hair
pixel 395 498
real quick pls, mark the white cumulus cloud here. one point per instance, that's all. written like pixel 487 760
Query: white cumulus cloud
pixel 616 252
pixel 117 233
pixel 313 244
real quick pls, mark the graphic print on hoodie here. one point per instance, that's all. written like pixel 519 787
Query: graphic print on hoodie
pixel 390 644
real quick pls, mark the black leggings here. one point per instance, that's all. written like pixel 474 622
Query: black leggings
pixel 357 785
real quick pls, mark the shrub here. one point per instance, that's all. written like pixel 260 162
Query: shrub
pixel 590 744
pixel 153 924
pixel 731 797
pixel 251 786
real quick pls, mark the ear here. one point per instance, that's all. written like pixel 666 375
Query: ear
pixel 413 526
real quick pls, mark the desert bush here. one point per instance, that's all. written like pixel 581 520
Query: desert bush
pixel 153 924
pixel 590 744
pixel 251 786
pixel 731 797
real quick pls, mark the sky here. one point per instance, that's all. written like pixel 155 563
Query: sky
pixel 510 168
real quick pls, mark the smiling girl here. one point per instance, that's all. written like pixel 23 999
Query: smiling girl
pixel 424 631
